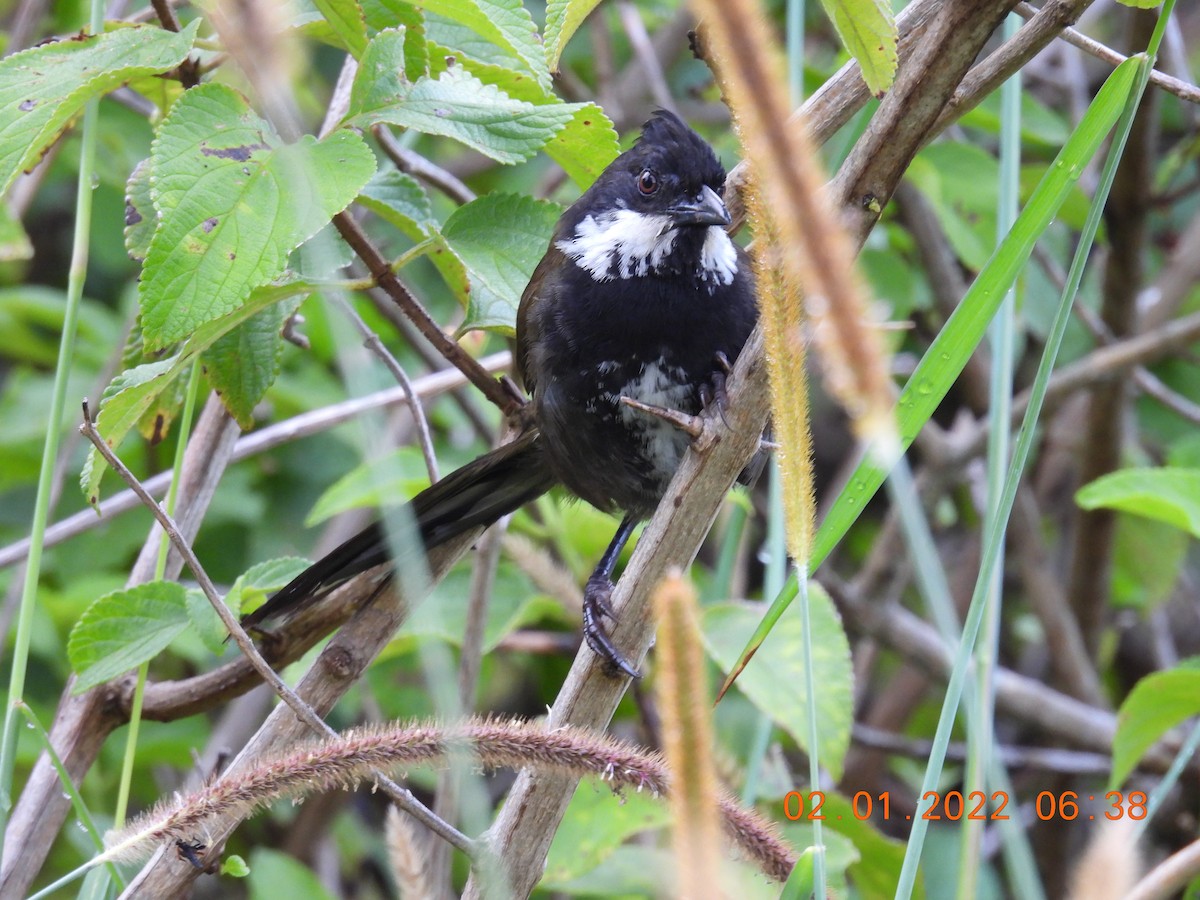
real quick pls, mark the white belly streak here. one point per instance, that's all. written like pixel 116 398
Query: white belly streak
pixel 657 385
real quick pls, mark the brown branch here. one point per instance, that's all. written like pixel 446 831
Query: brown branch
pixel 334 672
pixel 381 270
pixel 522 832
pixel 1181 89
pixel 1126 215
pixel 82 722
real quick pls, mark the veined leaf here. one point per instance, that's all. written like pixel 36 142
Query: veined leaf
pixel 563 18
pixel 778 689
pixel 867 28
pixel 348 23
pixel 44 87
pixel 506 23
pixel 233 201
pixel 124 629
pixel 499 239
pixel 456 105
pixel 132 392
pixel 1156 704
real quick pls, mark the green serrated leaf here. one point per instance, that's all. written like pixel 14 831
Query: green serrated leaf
pixel 140 218
pixel 499 239
pixel 133 392
pixel 233 202
pixel 563 18
pixel 776 685
pixel 1171 495
pixel 400 200
pixel 124 629
pixel 155 422
pixel 506 23
pixel 1156 704
pixel 44 87
pixel 867 29
pixel 383 14
pixel 456 105
pixel 272 574
pixel 346 19
pixel 242 364
pixel 586 146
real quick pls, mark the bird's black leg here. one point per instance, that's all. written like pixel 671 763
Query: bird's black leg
pixel 596 597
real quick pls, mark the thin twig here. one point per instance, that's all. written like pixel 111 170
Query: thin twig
pixel 381 271
pixel 399 795
pixel 689 424
pixel 166 15
pixel 302 710
pixel 1170 876
pixel 375 345
pixel 643 50
pixel 416 165
pixel 1181 89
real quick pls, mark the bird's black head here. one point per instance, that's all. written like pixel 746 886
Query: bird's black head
pixel 656 210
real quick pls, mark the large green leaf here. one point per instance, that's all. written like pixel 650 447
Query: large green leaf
pixel 400 200
pixel 1171 495
pixel 868 31
pixel 499 239
pixel 563 18
pixel 131 393
pixel 254 585
pixel 233 201
pixel 506 23
pixel 778 688
pixel 455 104
pixel 585 145
pixel 346 19
pixel 1156 704
pixel 243 363
pixel 43 88
pixel 124 629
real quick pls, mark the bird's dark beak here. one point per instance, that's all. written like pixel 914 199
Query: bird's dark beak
pixel 706 208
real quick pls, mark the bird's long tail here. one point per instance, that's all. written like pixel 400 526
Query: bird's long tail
pixel 478 494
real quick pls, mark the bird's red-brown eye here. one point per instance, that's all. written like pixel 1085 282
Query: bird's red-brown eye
pixel 647 182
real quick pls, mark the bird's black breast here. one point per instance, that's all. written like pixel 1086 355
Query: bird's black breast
pixel 583 344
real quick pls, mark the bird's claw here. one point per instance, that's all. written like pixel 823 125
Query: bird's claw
pixel 597 597
pixel 715 395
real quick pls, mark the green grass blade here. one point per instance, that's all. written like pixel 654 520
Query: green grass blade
pixel 950 350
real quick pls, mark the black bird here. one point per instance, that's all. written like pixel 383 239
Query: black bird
pixel 641 294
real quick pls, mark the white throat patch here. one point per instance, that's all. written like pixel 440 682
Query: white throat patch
pixel 718 256
pixel 621 243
